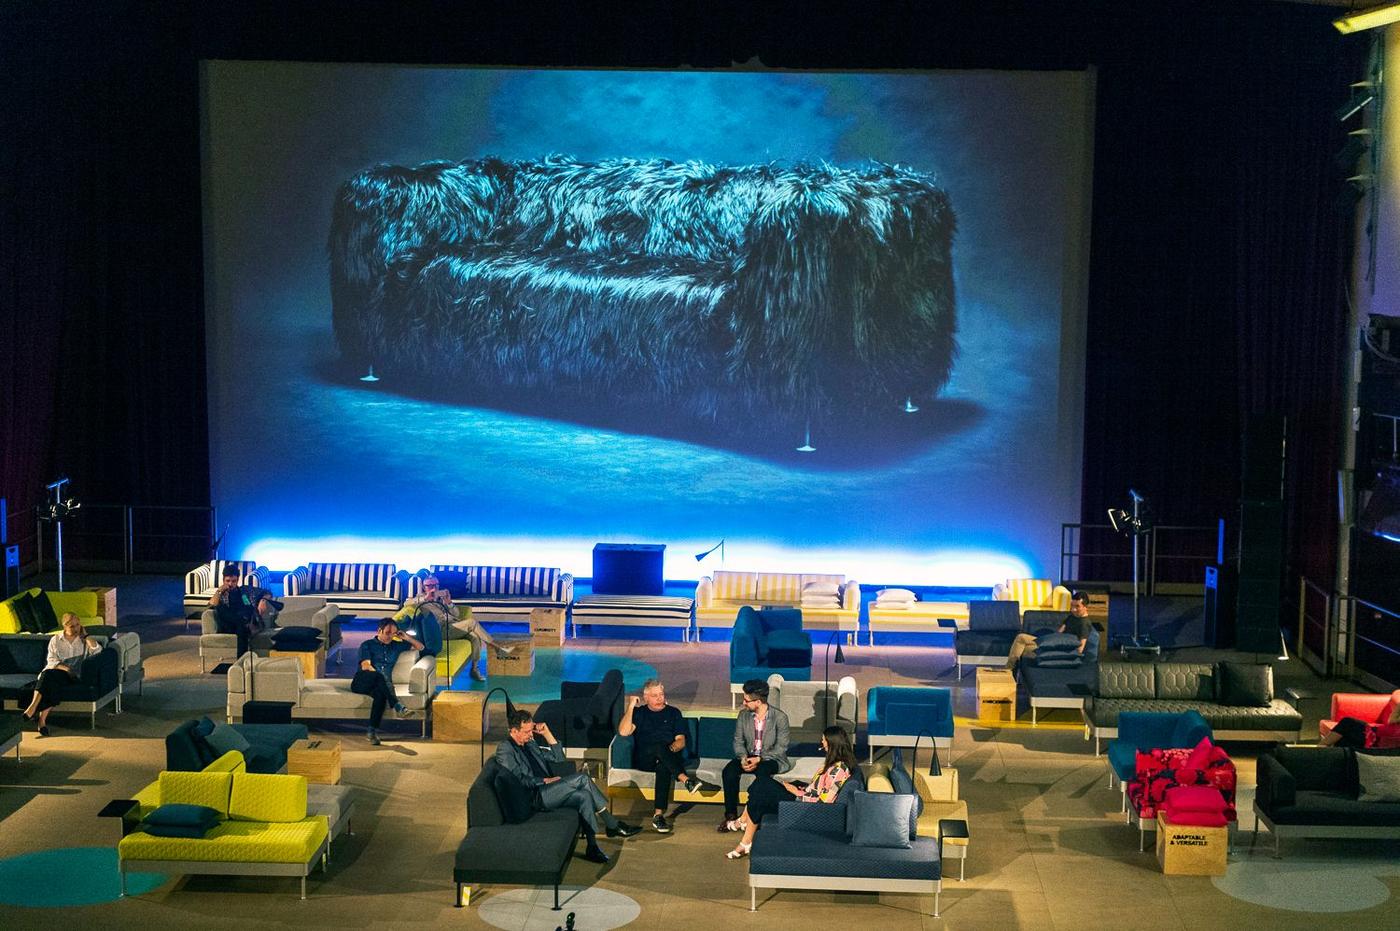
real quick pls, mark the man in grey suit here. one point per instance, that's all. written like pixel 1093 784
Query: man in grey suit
pixel 760 748
pixel 522 754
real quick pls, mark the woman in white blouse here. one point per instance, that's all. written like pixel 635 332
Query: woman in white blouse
pixel 67 650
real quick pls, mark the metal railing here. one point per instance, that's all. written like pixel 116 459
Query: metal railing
pixel 1171 554
pixel 131 538
pixel 1348 637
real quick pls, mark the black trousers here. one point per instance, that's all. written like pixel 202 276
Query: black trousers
pixel 231 622
pixel 764 796
pixel 51 682
pixel 1352 733
pixel 666 763
pixel 371 682
pixel 733 771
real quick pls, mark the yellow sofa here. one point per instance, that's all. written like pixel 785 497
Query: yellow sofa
pixel 919 617
pixel 266 830
pixel 455 648
pixel 718 599
pixel 1033 594
pixel 941 803
pixel 83 604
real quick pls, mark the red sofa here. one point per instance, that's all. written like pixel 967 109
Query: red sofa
pixel 1373 709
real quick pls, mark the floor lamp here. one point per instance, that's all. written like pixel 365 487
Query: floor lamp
pixel 485 705
pixel 54 512
pixel 826 679
pixel 1135 526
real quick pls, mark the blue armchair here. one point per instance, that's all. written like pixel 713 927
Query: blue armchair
pixel 1146 730
pixel 767 641
pixel 896 715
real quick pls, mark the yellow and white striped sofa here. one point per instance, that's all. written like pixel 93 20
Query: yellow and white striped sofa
pixel 1033 594
pixel 719 598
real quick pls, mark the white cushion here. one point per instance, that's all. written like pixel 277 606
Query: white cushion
pixel 820 588
pixel 894 605
pixel 821 601
pixel 894 594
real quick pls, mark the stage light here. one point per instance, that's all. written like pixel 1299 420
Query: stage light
pixel 1353 150
pixel 909 406
pixel 369 376
pixel 1374 18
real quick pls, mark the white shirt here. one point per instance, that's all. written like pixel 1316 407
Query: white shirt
pixel 62 650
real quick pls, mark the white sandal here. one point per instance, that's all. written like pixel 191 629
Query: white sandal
pixel 739 852
pixel 735 826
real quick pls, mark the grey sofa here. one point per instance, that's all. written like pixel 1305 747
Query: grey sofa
pixel 1312 792
pixel 809 848
pixel 1178 687
pixel 297 611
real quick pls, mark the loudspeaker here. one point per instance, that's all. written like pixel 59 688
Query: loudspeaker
pixel 629 569
pixel 1257 628
pixel 1263 457
pixel 1220 607
pixel 1261 539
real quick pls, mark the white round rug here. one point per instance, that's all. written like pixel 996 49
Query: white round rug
pixel 1307 885
pixel 532 909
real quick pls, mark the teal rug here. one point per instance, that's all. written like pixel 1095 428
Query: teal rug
pixel 554 665
pixel 69 876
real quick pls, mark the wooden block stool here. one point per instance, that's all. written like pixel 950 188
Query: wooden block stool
pixel 519 662
pixel 547 627
pixel 318 759
pixel 459 715
pixel 996 695
pixel 1189 850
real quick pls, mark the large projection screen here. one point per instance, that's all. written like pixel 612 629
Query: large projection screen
pixel 835 320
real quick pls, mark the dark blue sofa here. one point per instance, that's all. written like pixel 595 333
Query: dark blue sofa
pixel 809 848
pixel 992 626
pixel 185 751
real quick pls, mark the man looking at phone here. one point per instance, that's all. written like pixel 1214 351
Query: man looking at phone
pixel 658 745
pixel 523 755
pixel 241 610
pixel 437 601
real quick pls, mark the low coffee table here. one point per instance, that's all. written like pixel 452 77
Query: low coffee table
pixel 313 661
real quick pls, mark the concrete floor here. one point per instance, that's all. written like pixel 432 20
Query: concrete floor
pixel 1049 848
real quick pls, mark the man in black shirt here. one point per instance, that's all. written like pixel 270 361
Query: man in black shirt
pixel 242 610
pixel 1077 623
pixel 658 734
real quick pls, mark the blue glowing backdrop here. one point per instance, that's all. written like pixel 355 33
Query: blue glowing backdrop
pixel 833 319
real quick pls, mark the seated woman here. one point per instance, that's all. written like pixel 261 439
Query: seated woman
pixel 1361 735
pixel 67 650
pixel 765 794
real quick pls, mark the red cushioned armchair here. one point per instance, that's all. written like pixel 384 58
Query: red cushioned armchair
pixel 1374 710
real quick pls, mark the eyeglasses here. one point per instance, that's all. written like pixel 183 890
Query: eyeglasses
pixel 430 586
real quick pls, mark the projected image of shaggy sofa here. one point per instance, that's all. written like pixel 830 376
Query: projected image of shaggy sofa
pixel 789 295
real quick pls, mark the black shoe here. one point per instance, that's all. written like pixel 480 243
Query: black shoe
pixel 724 825
pixel 659 825
pixel 43 730
pixel 595 855
pixel 700 785
pixel 624 829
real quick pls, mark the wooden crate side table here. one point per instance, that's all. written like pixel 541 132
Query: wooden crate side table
pixel 996 695
pixel 317 758
pixel 547 627
pixel 106 602
pixel 458 715
pixel 519 662
pixel 1188 850
pixel 313 665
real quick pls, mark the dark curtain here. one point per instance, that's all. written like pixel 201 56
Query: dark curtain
pixel 1217 258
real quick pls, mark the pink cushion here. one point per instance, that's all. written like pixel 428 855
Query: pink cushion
pixel 1200 756
pixel 1200 819
pixel 1194 798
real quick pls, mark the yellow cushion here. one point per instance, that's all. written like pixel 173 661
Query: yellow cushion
pixel 735 586
pixel 1031 593
pixel 231 762
pixel 779 588
pixel 233 842
pixel 208 789
pixel 267 797
pixel 877 777
pixel 940 788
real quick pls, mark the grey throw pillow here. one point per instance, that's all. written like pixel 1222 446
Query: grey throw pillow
pixel 224 738
pixel 1379 777
pixel 880 819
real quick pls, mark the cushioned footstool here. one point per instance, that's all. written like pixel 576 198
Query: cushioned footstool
pixel 337 803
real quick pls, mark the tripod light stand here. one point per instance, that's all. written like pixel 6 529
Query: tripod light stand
pixel 1134 525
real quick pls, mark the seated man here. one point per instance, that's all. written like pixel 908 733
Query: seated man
pixel 1077 623
pixel 658 745
pixel 523 755
pixel 242 610
pixel 375 677
pixel 437 601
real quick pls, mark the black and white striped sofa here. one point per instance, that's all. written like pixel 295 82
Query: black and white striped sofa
pixel 501 593
pixel 202 581
pixel 364 589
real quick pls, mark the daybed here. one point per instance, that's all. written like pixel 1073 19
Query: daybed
pixel 500 593
pixel 828 602
pixel 1316 792
pixel 358 588
pixel 916 617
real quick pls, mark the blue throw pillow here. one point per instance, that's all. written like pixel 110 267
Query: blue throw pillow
pixel 224 738
pixel 880 819
pixel 1058 660
pixel 183 816
pixel 903 783
pixel 174 830
pixel 203 728
pixel 1057 643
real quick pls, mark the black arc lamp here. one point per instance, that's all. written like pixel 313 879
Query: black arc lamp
pixel 935 768
pixel 826 678
pixel 485 705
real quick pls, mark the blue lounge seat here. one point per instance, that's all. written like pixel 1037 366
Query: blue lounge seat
pixel 897 715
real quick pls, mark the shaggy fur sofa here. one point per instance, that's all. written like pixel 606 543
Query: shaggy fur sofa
pixel 783 293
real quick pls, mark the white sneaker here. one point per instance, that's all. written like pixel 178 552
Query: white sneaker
pixel 505 651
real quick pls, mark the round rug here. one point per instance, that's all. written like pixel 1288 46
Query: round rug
pixel 69 876
pixel 530 909
pixel 1307 885
pixel 553 666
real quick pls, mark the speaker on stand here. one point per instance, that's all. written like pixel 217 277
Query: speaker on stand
pixel 1259 583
